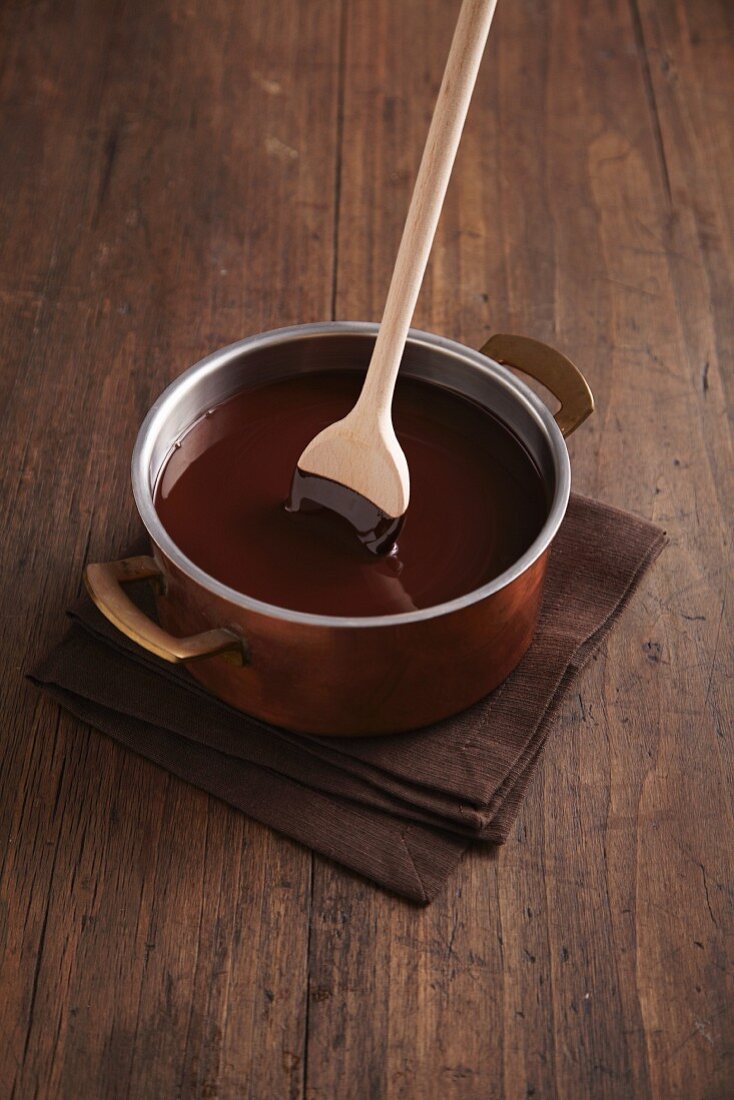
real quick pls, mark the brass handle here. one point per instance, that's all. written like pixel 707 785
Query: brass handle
pixel 548 366
pixel 104 581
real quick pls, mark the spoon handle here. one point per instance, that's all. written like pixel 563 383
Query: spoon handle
pixel 455 94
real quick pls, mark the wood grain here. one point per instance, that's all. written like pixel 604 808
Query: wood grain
pixel 172 187
pixel 585 960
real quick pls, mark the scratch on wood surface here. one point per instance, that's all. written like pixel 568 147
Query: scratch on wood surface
pixel 716 649
pixel 339 145
pixel 651 99
pixel 197 950
pixel 39 956
pixel 272 87
pixel 705 377
pixel 706 891
pixel 308 966
pixel 110 153
pixel 281 149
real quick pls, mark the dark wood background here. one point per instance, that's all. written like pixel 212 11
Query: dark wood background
pixel 176 175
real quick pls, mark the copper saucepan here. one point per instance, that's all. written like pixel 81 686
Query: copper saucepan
pixel 340 675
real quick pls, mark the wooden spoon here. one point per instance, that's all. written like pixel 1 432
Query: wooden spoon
pixel 356 467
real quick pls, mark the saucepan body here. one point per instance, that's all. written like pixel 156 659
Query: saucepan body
pixel 333 675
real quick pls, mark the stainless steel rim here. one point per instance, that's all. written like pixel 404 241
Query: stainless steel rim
pixel 188 380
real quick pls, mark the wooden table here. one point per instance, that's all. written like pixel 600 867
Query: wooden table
pixel 178 175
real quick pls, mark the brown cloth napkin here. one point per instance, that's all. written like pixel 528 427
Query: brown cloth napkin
pixel 399 810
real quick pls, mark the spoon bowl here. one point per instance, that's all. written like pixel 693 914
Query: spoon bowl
pixel 358 473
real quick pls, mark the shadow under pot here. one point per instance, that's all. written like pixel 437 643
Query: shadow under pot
pixel 353 673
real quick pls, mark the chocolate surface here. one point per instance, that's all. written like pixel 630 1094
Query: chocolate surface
pixel 477 500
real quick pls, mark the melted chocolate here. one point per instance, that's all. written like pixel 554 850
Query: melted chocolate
pixel 477 500
pixel 376 531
